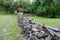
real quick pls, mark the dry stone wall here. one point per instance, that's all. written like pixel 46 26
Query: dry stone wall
pixel 35 31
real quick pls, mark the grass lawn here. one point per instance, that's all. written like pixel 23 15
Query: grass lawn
pixel 9 29
pixel 53 22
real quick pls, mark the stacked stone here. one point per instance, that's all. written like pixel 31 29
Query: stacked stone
pixel 35 31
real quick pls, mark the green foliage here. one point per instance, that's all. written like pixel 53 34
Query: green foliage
pixel 24 5
pixel 2 9
pixel 7 5
pixel 49 8
pixel 41 9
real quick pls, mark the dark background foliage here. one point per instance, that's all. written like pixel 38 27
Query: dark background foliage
pixel 45 8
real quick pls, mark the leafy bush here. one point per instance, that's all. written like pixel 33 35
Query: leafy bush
pixel 40 10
